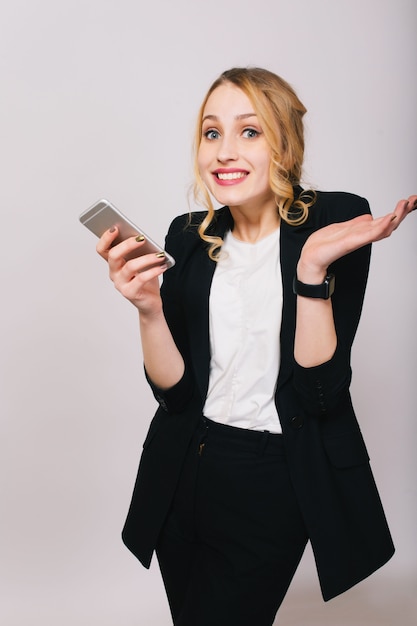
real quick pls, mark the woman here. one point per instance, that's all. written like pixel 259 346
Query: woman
pixel 255 448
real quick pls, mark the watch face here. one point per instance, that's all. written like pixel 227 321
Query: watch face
pixel 330 281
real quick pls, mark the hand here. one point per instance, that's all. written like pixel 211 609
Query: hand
pixel 332 242
pixel 136 279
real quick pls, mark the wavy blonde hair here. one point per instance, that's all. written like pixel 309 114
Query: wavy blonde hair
pixel 280 114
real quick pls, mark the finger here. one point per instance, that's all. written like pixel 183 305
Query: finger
pixel 140 264
pixel 406 206
pixel 118 254
pixel 402 209
pixel 412 201
pixel 135 287
pixel 105 242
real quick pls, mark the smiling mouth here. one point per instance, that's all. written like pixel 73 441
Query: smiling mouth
pixel 230 175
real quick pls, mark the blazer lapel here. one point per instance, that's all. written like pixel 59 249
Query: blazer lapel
pixel 200 271
pixel 289 258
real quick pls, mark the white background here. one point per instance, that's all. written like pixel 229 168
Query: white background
pixel 99 98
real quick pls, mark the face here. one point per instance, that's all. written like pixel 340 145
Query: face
pixel 233 156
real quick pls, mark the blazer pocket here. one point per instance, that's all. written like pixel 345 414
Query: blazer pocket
pixel 346 450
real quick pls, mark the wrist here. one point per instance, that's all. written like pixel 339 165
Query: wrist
pixel 149 317
pixel 310 274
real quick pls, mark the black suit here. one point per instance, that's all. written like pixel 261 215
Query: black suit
pixel 326 454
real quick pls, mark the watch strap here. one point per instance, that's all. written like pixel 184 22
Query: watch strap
pixel 324 291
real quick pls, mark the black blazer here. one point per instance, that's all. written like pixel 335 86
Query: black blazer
pixel 327 457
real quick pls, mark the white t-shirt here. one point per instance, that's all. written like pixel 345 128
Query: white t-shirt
pixel 245 322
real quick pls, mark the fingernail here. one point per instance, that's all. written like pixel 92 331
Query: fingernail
pixel 160 255
pixel 112 229
pixel 394 217
pixel 140 238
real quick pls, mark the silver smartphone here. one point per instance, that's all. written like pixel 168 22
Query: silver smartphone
pixel 103 215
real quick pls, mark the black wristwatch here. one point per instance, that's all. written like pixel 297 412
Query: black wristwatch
pixel 324 291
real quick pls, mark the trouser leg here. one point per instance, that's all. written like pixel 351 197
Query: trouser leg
pixel 177 545
pixel 235 535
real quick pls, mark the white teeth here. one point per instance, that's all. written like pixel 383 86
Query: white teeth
pixel 231 175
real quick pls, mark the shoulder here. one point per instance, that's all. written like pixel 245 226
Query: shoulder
pixel 184 243
pixel 189 222
pixel 337 206
pixel 186 222
pixel 183 231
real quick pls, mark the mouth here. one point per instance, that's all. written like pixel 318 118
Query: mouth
pixel 230 176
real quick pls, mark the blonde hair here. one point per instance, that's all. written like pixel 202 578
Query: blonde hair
pixel 280 114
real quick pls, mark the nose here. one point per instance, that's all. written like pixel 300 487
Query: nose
pixel 227 149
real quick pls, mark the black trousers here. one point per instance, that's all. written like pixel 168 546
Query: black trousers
pixel 234 535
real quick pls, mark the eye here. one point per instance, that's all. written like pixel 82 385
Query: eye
pixel 211 134
pixel 250 133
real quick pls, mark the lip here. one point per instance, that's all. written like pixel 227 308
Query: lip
pixel 229 171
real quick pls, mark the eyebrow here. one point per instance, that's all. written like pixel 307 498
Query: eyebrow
pixel 242 116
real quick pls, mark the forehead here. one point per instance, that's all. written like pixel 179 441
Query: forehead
pixel 228 100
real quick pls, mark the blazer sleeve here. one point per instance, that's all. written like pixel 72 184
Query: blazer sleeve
pixel 320 388
pixel 175 399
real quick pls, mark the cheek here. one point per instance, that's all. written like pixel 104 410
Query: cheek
pixel 200 158
pixel 203 163
pixel 265 165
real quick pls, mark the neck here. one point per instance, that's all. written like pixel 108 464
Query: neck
pixel 253 226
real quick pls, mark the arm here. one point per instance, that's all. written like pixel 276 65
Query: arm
pixel 316 337
pixel 137 280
